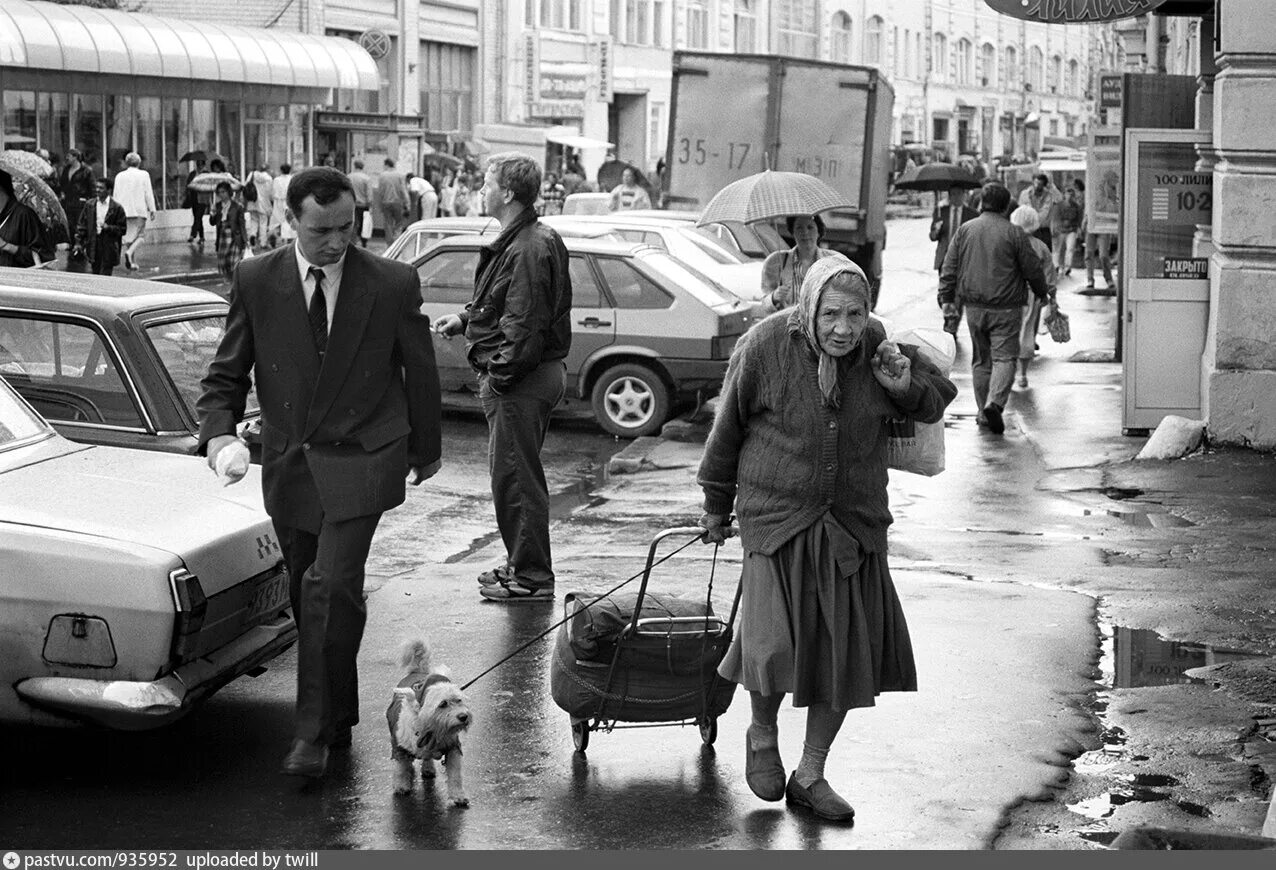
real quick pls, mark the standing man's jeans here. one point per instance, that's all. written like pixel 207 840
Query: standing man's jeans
pixel 994 338
pixel 326 591
pixel 517 421
pixel 1097 246
pixel 394 216
pixel 197 222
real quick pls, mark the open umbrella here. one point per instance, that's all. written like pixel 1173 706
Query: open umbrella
pixel 200 154
pixel 28 160
pixel 443 160
pixel 206 182
pixel 771 194
pixel 34 192
pixel 937 177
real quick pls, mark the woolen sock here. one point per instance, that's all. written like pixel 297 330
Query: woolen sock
pixel 763 736
pixel 811 767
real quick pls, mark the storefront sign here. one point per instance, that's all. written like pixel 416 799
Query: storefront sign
pixel 1103 180
pixel 1189 267
pixel 1173 200
pixel 563 80
pixel 557 109
pixel 600 52
pixel 1073 11
pixel 531 66
pixel 1110 91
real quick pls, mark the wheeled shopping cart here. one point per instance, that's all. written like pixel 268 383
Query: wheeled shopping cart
pixel 643 658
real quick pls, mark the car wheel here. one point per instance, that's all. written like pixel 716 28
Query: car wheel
pixel 630 400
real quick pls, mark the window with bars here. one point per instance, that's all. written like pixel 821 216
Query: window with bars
pixel 797 28
pixel 447 86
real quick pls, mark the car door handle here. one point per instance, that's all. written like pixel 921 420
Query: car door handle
pixel 594 321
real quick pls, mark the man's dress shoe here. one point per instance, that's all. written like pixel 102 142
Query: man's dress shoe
pixel 306 759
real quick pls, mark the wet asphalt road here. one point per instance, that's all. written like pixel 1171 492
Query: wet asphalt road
pixel 981 554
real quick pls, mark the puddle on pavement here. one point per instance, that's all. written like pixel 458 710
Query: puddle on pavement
pixel 591 474
pixel 1134 657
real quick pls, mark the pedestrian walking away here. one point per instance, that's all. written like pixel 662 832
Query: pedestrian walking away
pixel 280 229
pixel 1025 217
pixel 517 333
pixel 195 202
pixel 349 404
pixel 362 184
pixel 989 264
pixel 259 202
pixel 782 271
pixel 134 191
pixel 798 452
pixel 944 221
pixel 1067 225
pixel 395 198
pixel 100 234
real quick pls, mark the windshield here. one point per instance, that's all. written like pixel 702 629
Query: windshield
pixel 713 246
pixel 692 280
pixel 185 348
pixel 17 422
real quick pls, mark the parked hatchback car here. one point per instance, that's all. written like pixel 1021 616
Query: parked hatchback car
pixel 749 241
pixel 133 584
pixel 688 243
pixel 647 331
pixel 421 234
pixel 113 361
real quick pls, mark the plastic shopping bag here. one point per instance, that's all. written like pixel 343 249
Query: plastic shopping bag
pixel 1057 323
pixel 919 447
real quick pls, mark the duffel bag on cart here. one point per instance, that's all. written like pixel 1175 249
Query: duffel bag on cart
pixel 674 635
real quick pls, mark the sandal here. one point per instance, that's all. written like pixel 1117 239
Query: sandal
pixel 512 590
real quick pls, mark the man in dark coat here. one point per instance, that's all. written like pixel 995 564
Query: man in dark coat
pixel 944 221
pixel 75 182
pixel 343 361
pixel 517 333
pixel 98 238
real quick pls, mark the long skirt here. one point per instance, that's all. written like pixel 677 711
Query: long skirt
pixel 820 619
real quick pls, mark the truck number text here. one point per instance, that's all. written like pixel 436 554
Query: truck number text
pixel 698 151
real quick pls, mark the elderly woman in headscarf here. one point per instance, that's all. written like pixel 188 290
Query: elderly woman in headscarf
pixel 21 234
pixel 798 452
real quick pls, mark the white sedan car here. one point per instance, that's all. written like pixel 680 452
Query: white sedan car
pixel 133 584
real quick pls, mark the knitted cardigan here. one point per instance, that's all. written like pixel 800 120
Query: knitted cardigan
pixel 783 459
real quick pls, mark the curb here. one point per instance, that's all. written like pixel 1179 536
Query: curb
pixel 1161 839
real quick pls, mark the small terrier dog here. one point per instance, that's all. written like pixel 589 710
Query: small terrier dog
pixel 426 716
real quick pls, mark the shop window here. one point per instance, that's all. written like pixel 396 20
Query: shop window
pixel 119 132
pixel 19 120
pixel 86 116
pixel 447 86
pixel 228 123
pixel 176 116
pixel 54 120
pixel 150 142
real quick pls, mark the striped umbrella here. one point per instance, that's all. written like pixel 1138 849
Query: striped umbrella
pixel 771 194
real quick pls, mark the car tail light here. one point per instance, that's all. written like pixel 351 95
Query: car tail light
pixel 191 605
pixel 722 345
pixel 80 640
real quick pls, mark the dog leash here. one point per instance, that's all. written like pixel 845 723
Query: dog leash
pixel 615 588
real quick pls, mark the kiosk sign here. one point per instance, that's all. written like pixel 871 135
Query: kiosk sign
pixel 1174 199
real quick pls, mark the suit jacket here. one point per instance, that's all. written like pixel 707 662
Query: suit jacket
pixel 337 436
pixel 942 229
pixel 91 237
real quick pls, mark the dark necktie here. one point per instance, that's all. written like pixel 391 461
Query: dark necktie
pixel 318 312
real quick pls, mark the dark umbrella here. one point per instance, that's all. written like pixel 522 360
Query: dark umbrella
pixel 937 177
pixel 34 192
pixel 200 154
pixel 443 160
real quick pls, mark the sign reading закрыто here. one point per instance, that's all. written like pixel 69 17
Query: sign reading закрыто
pixel 1073 11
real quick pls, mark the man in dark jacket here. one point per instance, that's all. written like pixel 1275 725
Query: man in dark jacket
pixel 75 181
pixel 99 236
pixel 517 333
pixel 990 265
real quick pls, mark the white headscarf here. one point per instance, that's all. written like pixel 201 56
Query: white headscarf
pixel 808 305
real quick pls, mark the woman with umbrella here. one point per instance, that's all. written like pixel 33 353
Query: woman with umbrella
pixel 783 271
pixel 21 235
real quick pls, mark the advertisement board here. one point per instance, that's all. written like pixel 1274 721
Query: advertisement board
pixel 1173 199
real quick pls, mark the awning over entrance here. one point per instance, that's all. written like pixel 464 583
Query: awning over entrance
pixel 40 35
pixel 569 137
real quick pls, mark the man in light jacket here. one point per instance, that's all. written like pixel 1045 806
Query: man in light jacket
pixel 136 195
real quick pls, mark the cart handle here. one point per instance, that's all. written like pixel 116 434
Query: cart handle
pixel 681 531
pixel 701 624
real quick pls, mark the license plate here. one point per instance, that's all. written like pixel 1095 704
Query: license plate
pixel 271 596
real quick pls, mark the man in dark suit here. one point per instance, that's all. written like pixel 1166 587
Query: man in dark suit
pixel 98 238
pixel 344 366
pixel 944 221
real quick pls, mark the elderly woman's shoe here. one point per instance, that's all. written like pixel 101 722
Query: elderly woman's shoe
pixel 819 798
pixel 763 769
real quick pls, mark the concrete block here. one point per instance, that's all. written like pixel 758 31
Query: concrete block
pixel 1174 437
pixel 1243 408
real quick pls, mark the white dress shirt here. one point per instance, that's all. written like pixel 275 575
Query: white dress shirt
pixel 331 281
